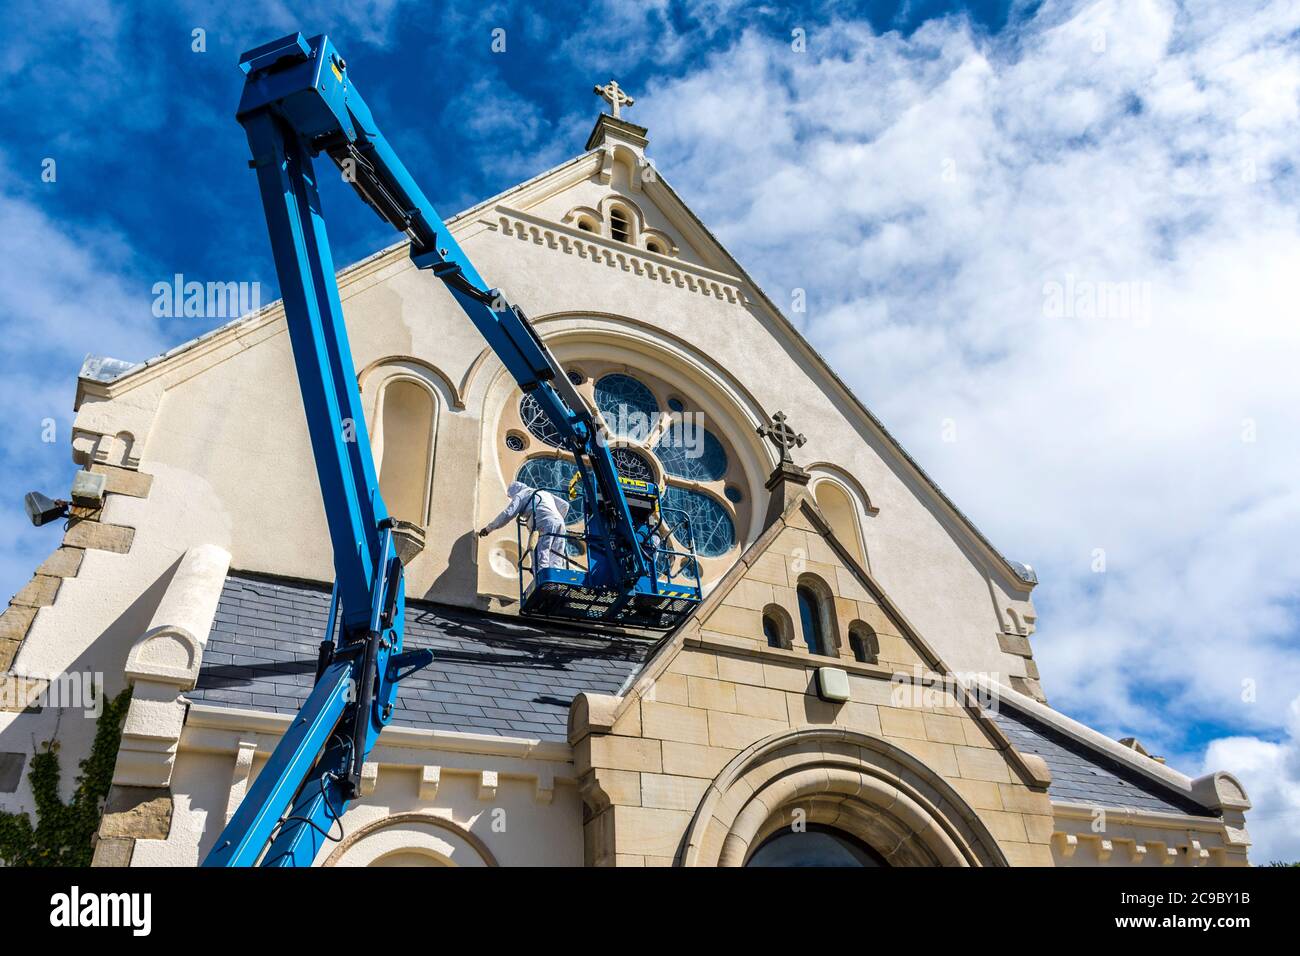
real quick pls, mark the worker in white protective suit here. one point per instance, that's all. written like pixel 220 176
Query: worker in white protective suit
pixel 544 513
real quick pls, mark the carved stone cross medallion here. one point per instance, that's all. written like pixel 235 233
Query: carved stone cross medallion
pixel 614 95
pixel 782 436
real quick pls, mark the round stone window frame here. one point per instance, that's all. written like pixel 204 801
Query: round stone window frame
pixel 663 384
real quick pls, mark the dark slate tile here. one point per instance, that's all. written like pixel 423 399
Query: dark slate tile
pixel 492 674
pixel 1079 773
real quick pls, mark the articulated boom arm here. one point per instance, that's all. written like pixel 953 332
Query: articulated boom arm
pixel 298 102
pixel 304 88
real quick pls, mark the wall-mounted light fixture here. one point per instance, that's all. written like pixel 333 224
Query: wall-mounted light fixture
pixel 42 509
pixel 832 684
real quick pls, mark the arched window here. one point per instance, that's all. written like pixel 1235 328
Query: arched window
pixel 842 513
pixel 711 526
pixel 811 619
pixel 776 626
pixel 406 430
pixel 816 845
pixel 862 639
pixel 653 246
pixel 771 631
pixel 620 227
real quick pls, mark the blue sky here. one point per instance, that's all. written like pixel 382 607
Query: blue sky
pixel 935 176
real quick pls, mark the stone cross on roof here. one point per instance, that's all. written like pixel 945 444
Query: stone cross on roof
pixel 782 436
pixel 614 95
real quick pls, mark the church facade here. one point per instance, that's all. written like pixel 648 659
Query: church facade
pixel 858 685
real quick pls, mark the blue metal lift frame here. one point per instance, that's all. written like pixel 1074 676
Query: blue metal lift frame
pixel 298 102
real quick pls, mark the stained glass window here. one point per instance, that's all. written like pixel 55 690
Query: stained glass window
pixel 631 465
pixel 629 408
pixel 553 474
pixel 535 421
pixel 714 533
pixel 688 450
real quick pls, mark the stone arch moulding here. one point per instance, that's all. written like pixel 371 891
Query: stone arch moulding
pixel 635 213
pixel 843 505
pixel 863 785
pixel 436 838
pixel 617 153
pixel 575 217
pixel 432 376
pixel 824 469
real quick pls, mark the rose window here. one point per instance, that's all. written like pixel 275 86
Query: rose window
pixel 656 435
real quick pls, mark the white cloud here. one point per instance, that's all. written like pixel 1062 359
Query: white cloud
pixel 617 35
pixel 1270 773
pixel 928 190
pixel 64 292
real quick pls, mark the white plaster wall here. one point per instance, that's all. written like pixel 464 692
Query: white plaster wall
pixel 515 827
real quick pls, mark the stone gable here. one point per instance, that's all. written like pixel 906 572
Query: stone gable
pixel 723 739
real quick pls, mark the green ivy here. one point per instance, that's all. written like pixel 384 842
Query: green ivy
pixel 63 833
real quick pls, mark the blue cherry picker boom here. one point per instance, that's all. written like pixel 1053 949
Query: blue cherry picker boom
pixel 299 102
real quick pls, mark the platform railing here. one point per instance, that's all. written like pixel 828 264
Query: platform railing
pixel 690 564
pixel 670 566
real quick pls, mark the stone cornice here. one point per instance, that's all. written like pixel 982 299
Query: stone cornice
pixel 230 722
pixel 1129 829
pixel 543 232
pixel 240 334
pixel 1133 816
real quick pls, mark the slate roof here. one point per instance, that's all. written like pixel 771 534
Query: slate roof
pixel 1081 774
pixel 492 674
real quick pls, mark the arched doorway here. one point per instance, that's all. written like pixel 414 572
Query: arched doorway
pixel 815 845
pixel 861 797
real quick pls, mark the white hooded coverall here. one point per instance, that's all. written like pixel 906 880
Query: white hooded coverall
pixel 545 514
